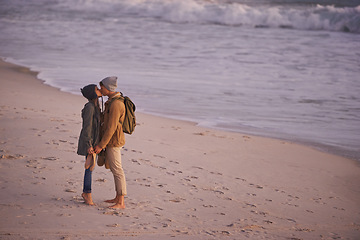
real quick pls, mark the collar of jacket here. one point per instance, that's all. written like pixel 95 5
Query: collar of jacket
pixel 117 94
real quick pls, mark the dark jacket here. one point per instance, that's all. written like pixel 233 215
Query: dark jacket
pixel 89 135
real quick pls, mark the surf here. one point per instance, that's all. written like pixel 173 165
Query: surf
pixel 231 14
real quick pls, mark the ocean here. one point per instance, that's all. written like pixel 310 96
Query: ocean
pixel 287 69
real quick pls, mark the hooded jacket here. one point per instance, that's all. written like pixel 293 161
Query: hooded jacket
pixel 89 135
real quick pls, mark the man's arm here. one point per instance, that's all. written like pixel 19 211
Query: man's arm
pixel 113 121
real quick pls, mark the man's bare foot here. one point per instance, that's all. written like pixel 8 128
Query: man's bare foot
pixel 111 200
pixel 118 206
pixel 119 202
pixel 88 199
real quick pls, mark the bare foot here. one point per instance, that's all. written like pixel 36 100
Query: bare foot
pixel 88 199
pixel 118 206
pixel 111 200
pixel 119 202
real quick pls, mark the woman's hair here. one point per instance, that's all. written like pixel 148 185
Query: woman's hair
pixel 97 104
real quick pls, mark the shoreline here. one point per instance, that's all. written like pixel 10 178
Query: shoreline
pixel 334 150
pixel 184 181
pixel 351 154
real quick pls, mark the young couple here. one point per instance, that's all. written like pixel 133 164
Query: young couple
pixel 111 141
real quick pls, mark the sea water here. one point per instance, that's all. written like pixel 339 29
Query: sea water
pixel 288 69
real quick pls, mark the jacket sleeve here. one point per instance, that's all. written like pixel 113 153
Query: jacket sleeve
pixel 112 124
pixel 87 116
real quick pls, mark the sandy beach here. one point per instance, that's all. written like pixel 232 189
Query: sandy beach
pixel 184 181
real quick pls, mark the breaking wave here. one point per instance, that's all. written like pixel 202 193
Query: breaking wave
pixel 303 17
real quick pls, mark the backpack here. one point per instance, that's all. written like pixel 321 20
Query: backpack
pixel 129 122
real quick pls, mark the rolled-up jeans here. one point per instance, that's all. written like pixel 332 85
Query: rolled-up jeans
pixel 113 156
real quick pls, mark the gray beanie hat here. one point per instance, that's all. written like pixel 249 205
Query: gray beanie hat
pixel 110 83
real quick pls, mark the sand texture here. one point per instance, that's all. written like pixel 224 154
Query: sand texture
pixel 184 181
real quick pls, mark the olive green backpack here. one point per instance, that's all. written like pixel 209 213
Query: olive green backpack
pixel 129 122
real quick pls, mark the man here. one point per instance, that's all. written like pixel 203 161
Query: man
pixel 113 138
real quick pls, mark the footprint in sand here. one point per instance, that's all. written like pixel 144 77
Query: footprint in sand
pixel 341 209
pixel 56 120
pixel 198 167
pixel 257 186
pixel 50 158
pixel 67 167
pixel 242 179
pixel 113 225
pixel 59 199
pixel 319 201
pixel 64 215
pixel 291 220
pixel 177 200
pixel 291 196
pixel 133 150
pixel 303 229
pixel 113 213
pixel 250 205
pixel 208 206
pixel 16 156
pixel 100 180
pixel 135 161
pixel 290 204
pixel 70 190
pixel 246 138
pixel 279 191
pixel 259 213
pixel 200 133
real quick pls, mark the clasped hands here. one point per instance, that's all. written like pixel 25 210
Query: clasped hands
pixel 96 150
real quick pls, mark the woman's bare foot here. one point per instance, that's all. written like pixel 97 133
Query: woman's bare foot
pixel 88 199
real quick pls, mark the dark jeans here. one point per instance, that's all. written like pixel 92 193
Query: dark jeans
pixel 87 181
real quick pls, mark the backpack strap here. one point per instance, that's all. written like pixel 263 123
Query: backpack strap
pixel 121 98
pixel 129 119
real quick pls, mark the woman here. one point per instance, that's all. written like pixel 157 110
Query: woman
pixel 89 136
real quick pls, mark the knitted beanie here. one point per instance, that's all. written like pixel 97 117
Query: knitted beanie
pixel 110 83
pixel 89 92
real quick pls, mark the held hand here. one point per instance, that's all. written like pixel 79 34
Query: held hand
pixel 90 150
pixel 97 149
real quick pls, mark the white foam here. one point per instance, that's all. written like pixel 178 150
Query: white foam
pixel 233 14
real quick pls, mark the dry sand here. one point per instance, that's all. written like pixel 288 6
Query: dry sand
pixel 184 181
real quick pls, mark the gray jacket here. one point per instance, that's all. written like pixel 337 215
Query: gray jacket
pixel 89 135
